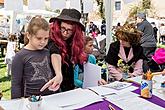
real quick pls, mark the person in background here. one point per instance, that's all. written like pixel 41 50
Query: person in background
pixel 148 41
pixel 11 47
pixel 155 30
pixel 92 27
pixel 21 37
pixel 127 51
pixel 66 48
pixel 103 28
pixel 95 33
pixel 162 33
pixel 31 66
pixel 78 69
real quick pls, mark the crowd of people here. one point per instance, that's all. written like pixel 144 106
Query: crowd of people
pixel 54 53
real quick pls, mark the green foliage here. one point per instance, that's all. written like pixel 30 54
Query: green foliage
pixel 146 4
pixel 5 82
pixel 101 8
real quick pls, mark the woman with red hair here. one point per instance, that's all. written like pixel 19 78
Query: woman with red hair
pixel 66 48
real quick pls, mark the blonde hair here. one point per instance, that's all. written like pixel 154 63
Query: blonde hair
pixel 36 23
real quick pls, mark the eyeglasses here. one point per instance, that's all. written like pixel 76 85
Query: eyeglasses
pixel 69 31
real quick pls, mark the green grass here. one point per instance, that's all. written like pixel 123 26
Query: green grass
pixel 5 82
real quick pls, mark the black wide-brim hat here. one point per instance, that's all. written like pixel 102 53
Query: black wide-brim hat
pixel 71 15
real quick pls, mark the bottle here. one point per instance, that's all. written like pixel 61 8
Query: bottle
pixel 146 86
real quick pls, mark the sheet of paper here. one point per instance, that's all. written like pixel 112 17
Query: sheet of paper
pixel 71 97
pixel 15 104
pixel 82 104
pixel 103 91
pixel 136 79
pixel 118 85
pixel 92 74
pixel 128 89
pixel 120 97
pixel 136 103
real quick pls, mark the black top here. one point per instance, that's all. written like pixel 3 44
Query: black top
pixel 127 49
pixel 103 29
pixel 112 56
pixel 67 70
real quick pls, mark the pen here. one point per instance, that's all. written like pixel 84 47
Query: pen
pixel 110 107
pixel 93 91
pixel 108 94
pixel 39 98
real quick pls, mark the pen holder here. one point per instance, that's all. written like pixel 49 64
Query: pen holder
pixel 34 104
pixel 146 88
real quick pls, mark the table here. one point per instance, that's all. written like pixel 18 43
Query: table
pixel 157 100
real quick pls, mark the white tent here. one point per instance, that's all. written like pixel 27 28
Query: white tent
pixel 39 12
pixel 5 12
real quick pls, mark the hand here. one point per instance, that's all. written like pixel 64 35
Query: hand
pixel 102 82
pixel 163 72
pixel 130 75
pixel 53 84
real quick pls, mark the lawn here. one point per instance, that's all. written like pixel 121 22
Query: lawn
pixel 5 82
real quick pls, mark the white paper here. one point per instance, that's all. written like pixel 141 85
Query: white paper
pixel 92 74
pixel 120 97
pixel 15 104
pixel 136 79
pixel 118 85
pixel 71 98
pixel 103 91
pixel 83 104
pixel 128 89
pixel 136 103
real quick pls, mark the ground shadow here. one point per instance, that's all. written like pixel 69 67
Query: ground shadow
pixel 6 90
pixel 2 65
pixel 5 78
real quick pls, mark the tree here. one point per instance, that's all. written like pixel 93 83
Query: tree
pixel 101 8
pixel 146 4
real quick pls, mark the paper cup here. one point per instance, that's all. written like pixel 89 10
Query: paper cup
pixel 34 105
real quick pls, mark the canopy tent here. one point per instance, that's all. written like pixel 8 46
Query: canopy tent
pixel 39 12
pixel 5 12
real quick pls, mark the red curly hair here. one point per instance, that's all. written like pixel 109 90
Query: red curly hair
pixel 77 42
